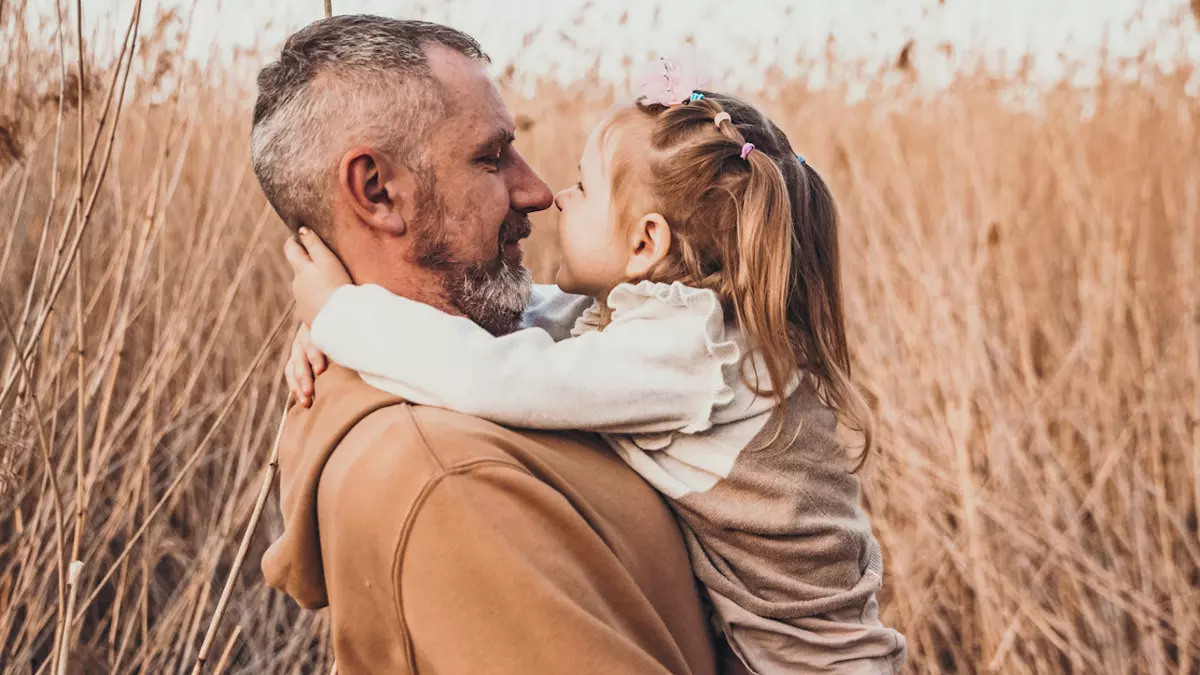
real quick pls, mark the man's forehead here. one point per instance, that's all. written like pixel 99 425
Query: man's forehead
pixel 471 93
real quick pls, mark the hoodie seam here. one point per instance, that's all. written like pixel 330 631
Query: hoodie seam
pixel 425 440
pixel 402 543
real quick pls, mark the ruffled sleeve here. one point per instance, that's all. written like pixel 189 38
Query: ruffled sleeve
pixel 696 320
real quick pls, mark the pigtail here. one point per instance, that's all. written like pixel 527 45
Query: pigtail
pixel 816 303
pixel 760 265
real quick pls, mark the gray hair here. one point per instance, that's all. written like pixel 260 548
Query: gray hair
pixel 327 90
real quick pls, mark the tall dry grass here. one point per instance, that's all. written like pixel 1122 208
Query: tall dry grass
pixel 1023 294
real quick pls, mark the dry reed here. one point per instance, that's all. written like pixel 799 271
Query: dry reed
pixel 1023 295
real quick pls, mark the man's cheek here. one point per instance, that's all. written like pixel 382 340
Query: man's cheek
pixel 498 195
pixel 496 203
pixel 487 195
pixel 487 206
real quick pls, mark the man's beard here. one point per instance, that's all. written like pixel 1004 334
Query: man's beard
pixel 492 293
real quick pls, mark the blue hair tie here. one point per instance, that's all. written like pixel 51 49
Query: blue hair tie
pixel 801 159
pixel 696 96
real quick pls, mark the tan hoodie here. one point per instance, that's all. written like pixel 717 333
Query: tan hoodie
pixel 444 544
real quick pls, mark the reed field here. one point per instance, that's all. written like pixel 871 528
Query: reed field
pixel 1023 288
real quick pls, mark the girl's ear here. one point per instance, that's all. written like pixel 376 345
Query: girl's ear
pixel 649 242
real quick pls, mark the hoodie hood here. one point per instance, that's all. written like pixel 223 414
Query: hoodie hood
pixel 293 563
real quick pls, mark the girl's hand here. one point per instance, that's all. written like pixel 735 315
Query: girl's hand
pixel 305 363
pixel 318 273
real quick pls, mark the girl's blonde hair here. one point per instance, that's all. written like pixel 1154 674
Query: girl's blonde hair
pixel 762 232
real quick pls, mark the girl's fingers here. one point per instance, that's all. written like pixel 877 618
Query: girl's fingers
pixel 291 383
pixel 316 358
pixel 301 370
pixel 317 250
pixel 304 338
pixel 306 378
pixel 297 369
pixel 297 350
pixel 302 395
pixel 296 256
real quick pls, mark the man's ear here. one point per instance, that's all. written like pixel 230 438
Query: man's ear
pixel 649 242
pixel 377 189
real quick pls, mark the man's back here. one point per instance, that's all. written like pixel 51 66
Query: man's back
pixel 446 544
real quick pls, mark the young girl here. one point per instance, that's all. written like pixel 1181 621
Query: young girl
pixel 713 359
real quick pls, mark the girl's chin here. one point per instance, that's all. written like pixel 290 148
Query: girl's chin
pixel 571 283
pixel 566 283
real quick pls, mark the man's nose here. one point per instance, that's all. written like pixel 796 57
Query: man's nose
pixel 527 192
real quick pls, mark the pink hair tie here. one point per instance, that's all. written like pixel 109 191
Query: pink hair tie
pixel 746 149
pixel 722 117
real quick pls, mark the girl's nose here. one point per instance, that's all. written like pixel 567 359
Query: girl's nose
pixel 560 198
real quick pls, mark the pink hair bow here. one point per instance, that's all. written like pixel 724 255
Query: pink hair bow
pixel 669 81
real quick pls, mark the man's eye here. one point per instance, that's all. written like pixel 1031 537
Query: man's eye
pixel 579 185
pixel 494 159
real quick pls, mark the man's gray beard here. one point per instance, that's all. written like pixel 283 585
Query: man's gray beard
pixel 493 294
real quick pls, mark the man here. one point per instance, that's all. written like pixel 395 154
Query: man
pixel 443 543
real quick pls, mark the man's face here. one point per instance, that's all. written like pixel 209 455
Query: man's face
pixel 473 214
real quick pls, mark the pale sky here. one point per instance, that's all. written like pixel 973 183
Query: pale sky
pixel 563 39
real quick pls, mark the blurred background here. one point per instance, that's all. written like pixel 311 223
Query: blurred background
pixel 1020 188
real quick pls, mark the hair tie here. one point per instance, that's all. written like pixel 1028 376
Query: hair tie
pixel 722 117
pixel 800 158
pixel 696 96
pixel 746 149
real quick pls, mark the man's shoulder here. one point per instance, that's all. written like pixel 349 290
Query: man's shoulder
pixel 378 432
pixel 403 436
pixel 398 450
pixel 390 454
pixel 454 439
pixel 395 457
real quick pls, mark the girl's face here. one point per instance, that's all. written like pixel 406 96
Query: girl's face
pixel 595 256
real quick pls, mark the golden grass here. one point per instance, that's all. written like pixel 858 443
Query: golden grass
pixel 1023 297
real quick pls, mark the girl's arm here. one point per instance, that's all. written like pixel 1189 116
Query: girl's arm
pixel 643 374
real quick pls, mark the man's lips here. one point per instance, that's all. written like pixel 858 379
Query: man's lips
pixel 512 235
pixel 512 250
